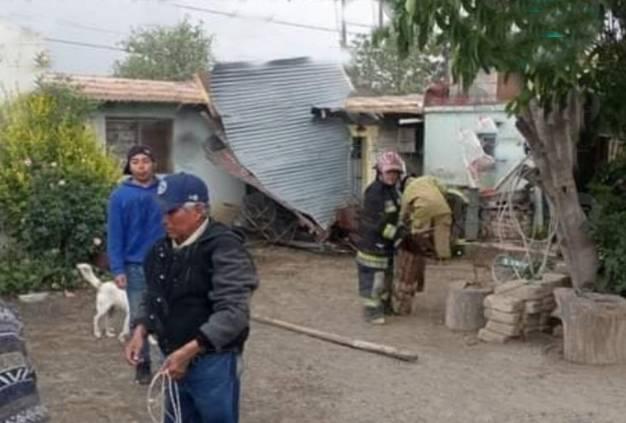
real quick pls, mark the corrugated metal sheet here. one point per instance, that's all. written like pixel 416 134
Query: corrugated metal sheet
pixel 266 113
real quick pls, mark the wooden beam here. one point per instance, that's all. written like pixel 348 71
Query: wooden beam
pixel 372 347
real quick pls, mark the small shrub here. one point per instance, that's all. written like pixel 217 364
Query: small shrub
pixel 608 222
pixel 54 184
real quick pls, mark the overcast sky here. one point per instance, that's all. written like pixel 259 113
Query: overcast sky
pixel 255 30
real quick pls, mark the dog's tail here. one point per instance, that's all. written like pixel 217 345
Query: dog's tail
pixel 86 272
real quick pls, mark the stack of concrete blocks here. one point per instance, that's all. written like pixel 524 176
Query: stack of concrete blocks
pixel 519 308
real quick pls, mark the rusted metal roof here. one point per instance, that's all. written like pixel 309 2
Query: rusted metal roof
pixel 401 104
pixel 266 112
pixel 104 88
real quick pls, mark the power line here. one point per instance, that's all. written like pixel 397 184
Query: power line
pixel 73 24
pixel 237 15
pixel 82 44
pixel 270 20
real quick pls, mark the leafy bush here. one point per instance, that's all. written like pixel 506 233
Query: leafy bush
pixel 54 184
pixel 608 221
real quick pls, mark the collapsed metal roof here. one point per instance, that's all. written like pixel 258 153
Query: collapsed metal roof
pixel 265 110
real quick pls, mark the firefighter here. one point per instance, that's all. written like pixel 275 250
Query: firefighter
pixel 378 230
pixel 426 215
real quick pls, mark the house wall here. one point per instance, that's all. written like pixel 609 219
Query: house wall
pixel 190 134
pixel 18 50
pixel 443 153
pixel 382 137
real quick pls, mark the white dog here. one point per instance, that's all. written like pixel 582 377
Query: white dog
pixel 108 299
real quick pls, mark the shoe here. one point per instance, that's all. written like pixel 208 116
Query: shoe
pixel 143 374
pixel 377 321
pixel 373 316
pixel 388 309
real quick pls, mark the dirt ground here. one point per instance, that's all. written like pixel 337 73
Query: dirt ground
pixel 293 378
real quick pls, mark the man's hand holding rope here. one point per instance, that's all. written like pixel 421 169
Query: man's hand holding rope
pixel 177 362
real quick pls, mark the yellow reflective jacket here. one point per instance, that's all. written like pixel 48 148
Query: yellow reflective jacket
pixel 423 199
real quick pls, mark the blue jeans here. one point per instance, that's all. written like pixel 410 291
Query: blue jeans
pixel 209 391
pixel 135 288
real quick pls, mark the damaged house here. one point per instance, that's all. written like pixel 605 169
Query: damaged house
pixel 247 130
pixel 272 142
pixel 166 116
pixel 429 132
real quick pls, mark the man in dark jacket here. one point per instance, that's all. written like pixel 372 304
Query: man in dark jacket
pixel 378 229
pixel 199 283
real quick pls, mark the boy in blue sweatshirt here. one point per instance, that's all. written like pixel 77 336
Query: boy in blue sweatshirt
pixel 134 224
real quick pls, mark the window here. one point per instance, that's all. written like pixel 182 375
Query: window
pixel 356 163
pixel 123 133
pixel 357 148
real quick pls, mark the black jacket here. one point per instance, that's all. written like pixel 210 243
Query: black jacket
pixel 201 291
pixel 379 219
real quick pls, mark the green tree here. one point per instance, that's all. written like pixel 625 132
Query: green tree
pixel 378 68
pixel 562 52
pixel 166 53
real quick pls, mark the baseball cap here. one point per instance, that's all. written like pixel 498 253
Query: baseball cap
pixel 135 150
pixel 179 188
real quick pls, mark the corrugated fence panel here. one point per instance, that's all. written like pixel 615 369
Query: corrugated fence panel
pixel 266 110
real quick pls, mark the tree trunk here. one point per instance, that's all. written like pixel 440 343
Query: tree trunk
pixel 552 138
pixel 464 307
pixel 594 327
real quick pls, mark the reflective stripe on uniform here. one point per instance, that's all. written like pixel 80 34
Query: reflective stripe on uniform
pixel 370 260
pixel 390 206
pixel 390 231
pixel 371 302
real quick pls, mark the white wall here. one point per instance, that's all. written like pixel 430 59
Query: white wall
pixel 18 50
pixel 443 154
pixel 190 134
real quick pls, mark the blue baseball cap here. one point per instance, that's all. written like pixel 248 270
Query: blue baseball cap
pixel 179 188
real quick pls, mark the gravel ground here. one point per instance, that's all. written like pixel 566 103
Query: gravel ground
pixel 293 378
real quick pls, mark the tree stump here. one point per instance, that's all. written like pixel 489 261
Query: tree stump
pixel 464 306
pixel 594 326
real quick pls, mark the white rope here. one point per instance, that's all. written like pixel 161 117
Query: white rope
pixel 167 388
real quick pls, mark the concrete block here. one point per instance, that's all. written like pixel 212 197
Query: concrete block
pixel 503 317
pixel 555 280
pixel 533 306
pixel 530 331
pixel 509 286
pixel 504 303
pixel 530 291
pixel 532 319
pixel 486 335
pixel 503 328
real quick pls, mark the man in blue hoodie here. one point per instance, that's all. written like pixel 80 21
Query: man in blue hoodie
pixel 134 224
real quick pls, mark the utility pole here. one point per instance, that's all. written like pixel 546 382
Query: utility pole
pixel 380 13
